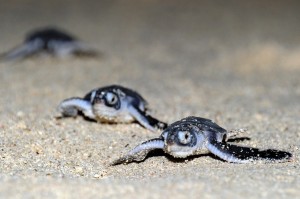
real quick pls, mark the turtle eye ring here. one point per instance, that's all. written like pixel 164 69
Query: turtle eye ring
pixel 111 98
pixel 184 137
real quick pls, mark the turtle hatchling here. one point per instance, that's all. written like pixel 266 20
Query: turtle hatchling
pixel 49 41
pixel 112 104
pixel 195 136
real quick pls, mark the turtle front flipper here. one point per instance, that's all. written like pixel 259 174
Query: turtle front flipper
pixel 23 51
pixel 146 120
pixel 239 154
pixel 140 152
pixel 71 106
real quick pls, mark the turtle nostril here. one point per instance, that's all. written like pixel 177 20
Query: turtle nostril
pixel 170 141
pixel 97 101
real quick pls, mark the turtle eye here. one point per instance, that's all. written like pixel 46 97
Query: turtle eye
pixel 111 98
pixel 184 137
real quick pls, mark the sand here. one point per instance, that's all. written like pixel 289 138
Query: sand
pixel 237 63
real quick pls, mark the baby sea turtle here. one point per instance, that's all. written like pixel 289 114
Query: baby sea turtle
pixel 112 104
pixel 194 136
pixel 50 41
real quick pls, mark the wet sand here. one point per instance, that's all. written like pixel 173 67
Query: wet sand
pixel 236 63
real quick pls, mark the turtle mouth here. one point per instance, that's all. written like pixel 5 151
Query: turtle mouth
pixel 104 112
pixel 178 151
pixel 107 114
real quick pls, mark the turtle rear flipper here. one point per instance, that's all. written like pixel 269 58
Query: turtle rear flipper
pixel 239 154
pixel 81 49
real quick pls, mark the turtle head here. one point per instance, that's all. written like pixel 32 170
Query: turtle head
pixel 107 103
pixel 182 141
pixel 107 98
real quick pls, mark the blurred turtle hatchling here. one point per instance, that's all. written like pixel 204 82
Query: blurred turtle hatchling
pixel 49 41
pixel 112 104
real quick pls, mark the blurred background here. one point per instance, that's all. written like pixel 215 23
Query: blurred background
pixel 263 34
pixel 195 51
pixel 236 62
pixel 188 47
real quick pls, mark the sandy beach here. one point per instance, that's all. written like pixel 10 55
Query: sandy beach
pixel 237 63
